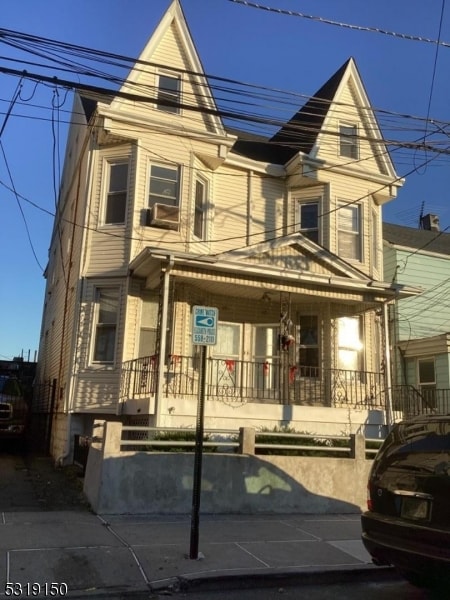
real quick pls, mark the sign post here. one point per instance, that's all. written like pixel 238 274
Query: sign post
pixel 204 333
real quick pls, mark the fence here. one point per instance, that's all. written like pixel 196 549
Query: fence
pixel 253 381
pixel 130 470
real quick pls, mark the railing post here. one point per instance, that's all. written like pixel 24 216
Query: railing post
pixel 112 438
pixel 247 440
pixel 357 446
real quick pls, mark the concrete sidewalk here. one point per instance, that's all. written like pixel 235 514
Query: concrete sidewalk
pixel 118 554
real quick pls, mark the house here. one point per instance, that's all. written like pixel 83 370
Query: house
pixel 420 325
pixel 163 207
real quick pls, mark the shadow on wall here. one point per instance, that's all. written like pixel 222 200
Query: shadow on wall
pixel 145 483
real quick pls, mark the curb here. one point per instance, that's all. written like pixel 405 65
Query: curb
pixel 282 578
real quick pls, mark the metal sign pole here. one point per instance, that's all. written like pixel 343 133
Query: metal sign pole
pixel 197 484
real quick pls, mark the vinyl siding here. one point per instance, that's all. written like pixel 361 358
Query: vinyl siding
pixel 428 313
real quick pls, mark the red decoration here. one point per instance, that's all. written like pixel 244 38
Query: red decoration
pixel 266 367
pixel 229 363
pixel 174 359
pixel 292 371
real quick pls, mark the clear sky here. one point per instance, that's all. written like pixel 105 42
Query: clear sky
pixel 402 77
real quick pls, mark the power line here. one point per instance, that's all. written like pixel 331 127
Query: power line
pixel 325 21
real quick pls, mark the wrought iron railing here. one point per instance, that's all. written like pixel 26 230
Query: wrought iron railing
pixel 239 381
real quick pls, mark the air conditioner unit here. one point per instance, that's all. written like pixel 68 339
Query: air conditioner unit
pixel 164 215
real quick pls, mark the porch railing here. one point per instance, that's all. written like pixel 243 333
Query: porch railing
pixel 239 381
pixel 414 401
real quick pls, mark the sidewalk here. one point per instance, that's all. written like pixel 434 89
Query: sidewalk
pixel 119 554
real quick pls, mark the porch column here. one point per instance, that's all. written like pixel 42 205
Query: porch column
pixel 162 339
pixel 387 368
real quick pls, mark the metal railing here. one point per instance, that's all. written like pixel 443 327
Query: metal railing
pixel 411 401
pixel 240 381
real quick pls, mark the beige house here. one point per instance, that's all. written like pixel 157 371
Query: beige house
pixel 163 208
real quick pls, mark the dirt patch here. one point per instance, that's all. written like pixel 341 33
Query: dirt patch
pixel 56 488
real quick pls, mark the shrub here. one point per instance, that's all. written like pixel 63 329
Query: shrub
pixel 302 439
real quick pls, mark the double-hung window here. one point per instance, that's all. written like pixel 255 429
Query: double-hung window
pixel 348 141
pixel 349 343
pixel 164 185
pixel 200 208
pixel 117 188
pixel 308 345
pixel 107 309
pixel 309 219
pixel 169 94
pixel 426 372
pixel 349 231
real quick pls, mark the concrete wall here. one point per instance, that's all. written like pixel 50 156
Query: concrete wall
pixel 156 483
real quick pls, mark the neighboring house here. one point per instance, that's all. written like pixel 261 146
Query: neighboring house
pixel 162 208
pixel 420 325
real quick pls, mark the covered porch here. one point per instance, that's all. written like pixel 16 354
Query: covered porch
pixel 297 326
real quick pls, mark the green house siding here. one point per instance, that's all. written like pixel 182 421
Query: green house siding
pixel 428 313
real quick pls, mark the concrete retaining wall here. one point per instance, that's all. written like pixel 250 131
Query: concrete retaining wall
pixel 161 483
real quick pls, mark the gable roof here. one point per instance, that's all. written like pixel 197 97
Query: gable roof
pixel 418 239
pixel 301 131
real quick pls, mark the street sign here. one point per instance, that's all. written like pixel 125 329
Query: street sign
pixel 204 325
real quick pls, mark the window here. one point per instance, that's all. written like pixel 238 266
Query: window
pixel 349 234
pixel 309 220
pixel 349 343
pixel 116 200
pixel 200 209
pixel 169 91
pixel 107 300
pixel 149 320
pixel 164 185
pixel 308 347
pixel 348 141
pixel 427 381
pixel 375 241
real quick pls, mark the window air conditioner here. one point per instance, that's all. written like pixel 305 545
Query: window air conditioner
pixel 164 215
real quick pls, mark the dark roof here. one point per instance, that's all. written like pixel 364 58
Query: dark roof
pixel 300 133
pixel 420 239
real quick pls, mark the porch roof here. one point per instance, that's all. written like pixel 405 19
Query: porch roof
pixel 230 276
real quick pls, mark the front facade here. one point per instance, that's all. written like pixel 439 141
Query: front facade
pixel 420 325
pixel 163 208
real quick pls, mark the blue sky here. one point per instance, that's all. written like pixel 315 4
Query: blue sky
pixel 233 41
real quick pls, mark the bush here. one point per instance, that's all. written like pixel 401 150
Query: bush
pixel 302 439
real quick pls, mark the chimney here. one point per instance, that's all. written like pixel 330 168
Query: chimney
pixel 430 222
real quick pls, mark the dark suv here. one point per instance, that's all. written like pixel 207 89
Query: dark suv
pixel 408 519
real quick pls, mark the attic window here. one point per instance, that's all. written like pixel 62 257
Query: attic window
pixel 348 141
pixel 169 94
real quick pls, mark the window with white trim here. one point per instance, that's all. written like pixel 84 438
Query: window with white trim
pixel 117 192
pixel 309 219
pixel 426 373
pixel 308 345
pixel 169 94
pixel 348 141
pixel 164 185
pixel 349 231
pixel 105 328
pixel 349 343
pixel 200 208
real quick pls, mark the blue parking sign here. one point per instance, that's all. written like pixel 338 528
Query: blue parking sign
pixel 204 325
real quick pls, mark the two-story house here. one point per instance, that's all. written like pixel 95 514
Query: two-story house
pixel 420 325
pixel 164 207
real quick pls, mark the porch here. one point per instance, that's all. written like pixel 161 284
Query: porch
pixel 240 382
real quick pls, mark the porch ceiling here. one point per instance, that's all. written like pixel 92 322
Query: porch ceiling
pixel 252 281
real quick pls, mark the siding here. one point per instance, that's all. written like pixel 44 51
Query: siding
pixel 429 313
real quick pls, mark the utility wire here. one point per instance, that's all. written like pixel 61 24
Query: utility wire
pixel 291 13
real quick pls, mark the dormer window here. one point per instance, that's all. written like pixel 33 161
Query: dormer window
pixel 348 141
pixel 169 94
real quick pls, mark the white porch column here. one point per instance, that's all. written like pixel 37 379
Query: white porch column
pixel 163 338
